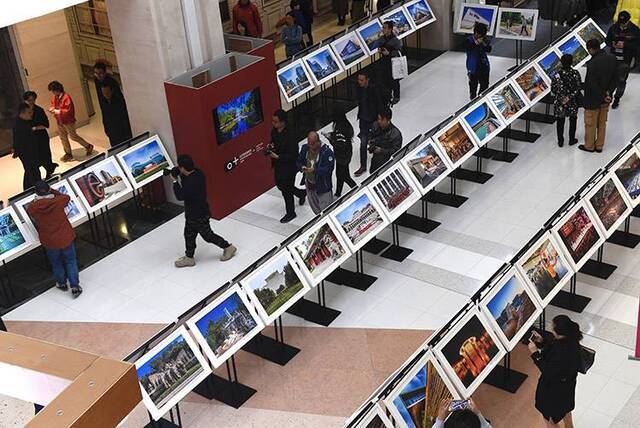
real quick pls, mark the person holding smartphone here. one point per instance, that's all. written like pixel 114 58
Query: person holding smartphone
pixel 460 413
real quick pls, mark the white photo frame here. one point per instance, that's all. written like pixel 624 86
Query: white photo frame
pixel 589 29
pixel 549 63
pixel 284 75
pixel 472 318
pixel 527 14
pixel 420 13
pixel 281 259
pixel 387 190
pixel 93 178
pixel 483 105
pixel 579 211
pixel 497 97
pixel 532 93
pixel 14 235
pixel 470 13
pixel 352 44
pixel 414 163
pixel 428 358
pixel 156 156
pixel 369 34
pixel 335 247
pixel 227 298
pixel 609 180
pixel 545 268
pixel 453 158
pixel 399 15
pixel 376 411
pixel 569 44
pixel 494 300
pixel 319 75
pixel 627 172
pixel 362 200
pixel 180 333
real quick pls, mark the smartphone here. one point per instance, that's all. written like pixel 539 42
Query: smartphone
pixel 458 405
pixel 532 338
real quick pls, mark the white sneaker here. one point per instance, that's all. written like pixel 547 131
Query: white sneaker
pixel 185 261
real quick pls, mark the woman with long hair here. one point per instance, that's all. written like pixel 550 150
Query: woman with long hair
pixel 566 87
pixel 341 140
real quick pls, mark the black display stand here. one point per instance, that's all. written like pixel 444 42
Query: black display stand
pixel 375 246
pixel 624 237
pixel 420 223
pixel 113 241
pixel 505 155
pixel 597 267
pixel 274 350
pixel 228 391
pixel 636 212
pixel 10 293
pixel 163 423
pixel 317 313
pixel 358 279
pixel 505 378
pixel 571 301
pixel 395 251
pixel 539 117
pixel 486 153
pixel 450 199
pixel 515 134
pixel 476 176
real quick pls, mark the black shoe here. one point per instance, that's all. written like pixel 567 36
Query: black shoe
pixel 287 218
pixel 337 195
pixel 616 103
pixel 584 149
pixel 302 199
pixel 560 143
pixel 62 287
pixel 359 172
pixel 76 291
pixel 573 142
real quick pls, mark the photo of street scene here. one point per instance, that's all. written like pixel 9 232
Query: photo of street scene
pixel 608 204
pixel 508 102
pixel 550 64
pixel 168 371
pixel 320 250
pixel 470 14
pixel 511 307
pixel 456 142
pixel 519 24
pixel 401 24
pixel 579 234
pixel 393 190
pixel 359 218
pixel 101 183
pixel 426 165
pixel 629 175
pixel 532 84
pixel 349 49
pixel 573 47
pixel 237 116
pixel 146 160
pixel 294 81
pixel 545 268
pixel 483 122
pixel 371 33
pixel 589 31
pixel 420 12
pixel 322 64
pixel 10 235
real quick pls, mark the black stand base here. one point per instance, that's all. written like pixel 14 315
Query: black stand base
pixel 448 199
pixel 570 301
pixel 418 223
pixel 162 423
pixel 625 239
pixel 506 379
pixel 375 246
pixel 515 134
pixel 313 312
pixel 486 153
pixel 539 117
pixel 358 280
pixel 505 157
pixel 598 269
pixel 473 176
pixel 233 394
pixel 271 349
pixel 397 253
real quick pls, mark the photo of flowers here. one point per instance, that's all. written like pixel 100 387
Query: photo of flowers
pixel 359 219
pixel 579 234
pixel 456 142
pixel 427 166
pixel 608 205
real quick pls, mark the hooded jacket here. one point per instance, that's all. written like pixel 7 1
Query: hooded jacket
pixel 50 219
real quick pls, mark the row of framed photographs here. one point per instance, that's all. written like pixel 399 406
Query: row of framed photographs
pixel 327 62
pixel 91 189
pixel 503 22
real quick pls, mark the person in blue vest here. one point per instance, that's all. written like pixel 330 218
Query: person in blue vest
pixel 477 46
pixel 316 161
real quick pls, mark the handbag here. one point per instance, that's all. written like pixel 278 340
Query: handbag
pixel 399 67
pixel 587 358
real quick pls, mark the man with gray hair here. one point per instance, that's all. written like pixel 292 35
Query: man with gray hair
pixel 316 161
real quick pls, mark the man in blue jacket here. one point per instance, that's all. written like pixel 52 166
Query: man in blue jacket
pixel 477 46
pixel 316 161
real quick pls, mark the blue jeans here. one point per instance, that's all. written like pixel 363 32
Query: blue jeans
pixel 64 265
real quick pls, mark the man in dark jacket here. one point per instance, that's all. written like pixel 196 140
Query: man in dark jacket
pixel 477 46
pixel 623 38
pixel 190 186
pixel 25 145
pixel 371 101
pixel 385 140
pixel 40 124
pixel 284 154
pixel 389 47
pixel 56 235
pixel 599 84
pixel 316 161
pixel 115 116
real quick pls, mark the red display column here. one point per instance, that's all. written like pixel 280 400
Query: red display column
pixel 233 160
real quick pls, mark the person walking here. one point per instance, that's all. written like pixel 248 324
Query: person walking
pixel 341 8
pixel 316 161
pixel 371 101
pixel 115 116
pixel 283 152
pixel 25 146
pixel 599 84
pixel 40 124
pixel 341 139
pixel 291 36
pixel 247 14
pixel 389 47
pixel 566 87
pixel 623 39
pixel 306 6
pixel 558 359
pixel 56 235
pixel 477 46
pixel 190 186
pixel 65 113
pixel 386 139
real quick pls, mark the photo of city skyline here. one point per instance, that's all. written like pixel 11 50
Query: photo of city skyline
pixel 11 237
pixel 511 307
pixel 145 161
pixel 532 84
pixel 420 12
pixel 483 122
pixel 320 250
pixel 349 49
pixel 359 218
pixel 322 64
pixel 426 165
pixel 550 64
pixel 456 142
pixel 572 46
pixel 628 172
pixel 608 204
pixel 589 31
pixel 508 102
pixel 393 190
pixel 401 22
pixel 294 80
pixel 545 269
pixel 579 234
pixel 371 33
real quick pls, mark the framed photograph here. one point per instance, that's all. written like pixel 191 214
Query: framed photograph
pixel 545 268
pixel 394 191
pixel 14 235
pixel 415 400
pixel 508 102
pixel 590 30
pixel 427 165
pixel 275 286
pixel 627 170
pixel 359 219
pixel 225 325
pixel 237 116
pixel 145 161
pixel 532 83
pixel 484 121
pixel 402 24
pixel 322 64
pixel 370 33
pixel 456 143
pixel 609 206
pixel 101 184
pixel 472 13
pixel 510 308
pixel 169 371
pixel 294 80
pixel 375 418
pixel 320 250
pixel 579 234
pixel 349 49
pixel 518 24
pixel 572 45
pixel 549 62
pixel 469 351
pixel 420 13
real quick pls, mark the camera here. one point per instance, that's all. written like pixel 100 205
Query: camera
pixel 174 172
pixel 269 149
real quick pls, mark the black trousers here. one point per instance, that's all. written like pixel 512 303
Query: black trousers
pixel 44 155
pixel 572 128
pixel 343 176
pixel 478 79
pixel 200 226
pixel 31 173
pixel 623 75
pixel 287 187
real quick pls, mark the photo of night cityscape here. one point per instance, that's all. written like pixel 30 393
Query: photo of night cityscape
pixel 573 47
pixel 532 83
pixel 482 121
pixel 293 80
pixel 420 12
pixel 322 64
pixel 320 250
pixel 456 142
pixel 508 102
pixel 545 268
pixel 629 175
pixel 426 165
pixel 550 64
pixel 511 307
pixel 359 218
pixel 349 49
pixel 393 190
pixel 608 204
pixel 579 234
